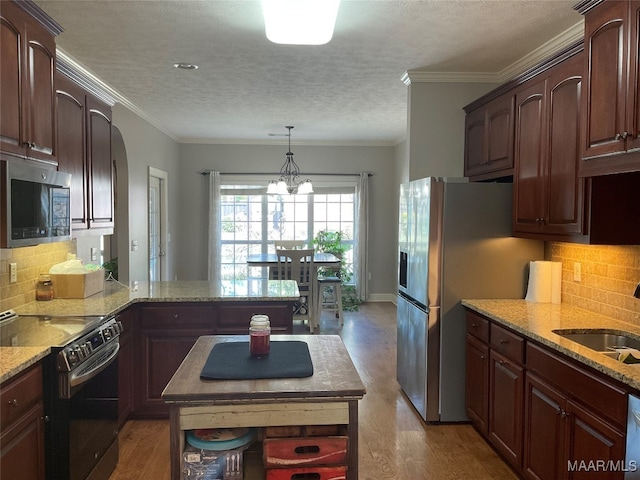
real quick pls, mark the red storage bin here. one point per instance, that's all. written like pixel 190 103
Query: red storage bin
pixel 307 473
pixel 301 451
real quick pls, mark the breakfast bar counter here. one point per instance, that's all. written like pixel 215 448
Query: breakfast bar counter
pixel 328 397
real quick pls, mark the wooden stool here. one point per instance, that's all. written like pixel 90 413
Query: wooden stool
pixel 334 303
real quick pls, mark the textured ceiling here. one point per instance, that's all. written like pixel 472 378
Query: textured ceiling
pixel 346 92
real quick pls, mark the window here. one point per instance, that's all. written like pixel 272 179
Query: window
pixel 252 221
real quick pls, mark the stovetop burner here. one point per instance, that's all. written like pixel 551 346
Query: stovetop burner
pixel 41 330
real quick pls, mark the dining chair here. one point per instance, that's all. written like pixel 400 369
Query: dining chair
pixel 289 244
pixel 298 265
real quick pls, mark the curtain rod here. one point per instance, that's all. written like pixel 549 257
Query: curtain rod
pixel 276 174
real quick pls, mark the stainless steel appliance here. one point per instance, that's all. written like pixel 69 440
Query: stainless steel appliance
pixel 34 205
pixel 454 242
pixel 632 460
pixel 80 389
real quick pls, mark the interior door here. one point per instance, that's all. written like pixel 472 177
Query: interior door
pixel 158 228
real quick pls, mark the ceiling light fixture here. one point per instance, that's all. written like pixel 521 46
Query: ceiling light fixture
pixel 288 182
pixel 300 22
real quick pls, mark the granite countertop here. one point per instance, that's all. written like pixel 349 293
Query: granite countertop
pixel 117 296
pixel 538 320
pixel 13 360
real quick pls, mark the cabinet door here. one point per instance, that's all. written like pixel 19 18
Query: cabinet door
pixel 162 353
pixel 12 25
pixel 100 164
pixel 530 189
pixel 234 318
pixel 591 441
pixel 500 124
pixel 605 86
pixel 71 114
pixel 22 447
pixel 27 98
pixel 40 89
pixel 565 205
pixel 477 383
pixel 474 143
pixel 505 407
pixel 544 424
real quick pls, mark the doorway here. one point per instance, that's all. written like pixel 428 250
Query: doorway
pixel 158 227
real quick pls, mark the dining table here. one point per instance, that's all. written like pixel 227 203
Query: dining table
pixel 320 260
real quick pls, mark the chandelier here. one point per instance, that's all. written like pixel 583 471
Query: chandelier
pixel 288 182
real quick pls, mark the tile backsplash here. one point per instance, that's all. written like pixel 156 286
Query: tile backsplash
pixel 31 262
pixel 609 275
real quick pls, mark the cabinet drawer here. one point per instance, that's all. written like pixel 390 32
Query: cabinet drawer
pixel 509 344
pixel 608 400
pixel 180 316
pixel 478 326
pixel 19 394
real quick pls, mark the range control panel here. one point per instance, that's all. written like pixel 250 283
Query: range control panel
pixel 89 345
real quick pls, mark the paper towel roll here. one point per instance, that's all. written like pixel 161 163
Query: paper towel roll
pixel 545 281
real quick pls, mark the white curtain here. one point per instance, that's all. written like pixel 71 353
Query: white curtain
pixel 214 228
pixel 361 266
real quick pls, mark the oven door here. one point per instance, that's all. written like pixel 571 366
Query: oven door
pixel 82 430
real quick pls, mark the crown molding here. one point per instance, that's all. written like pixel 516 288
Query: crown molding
pixel 74 70
pixel 559 42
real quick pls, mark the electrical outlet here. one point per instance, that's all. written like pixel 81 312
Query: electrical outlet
pixel 13 272
pixel 94 254
pixel 14 341
pixel 134 245
pixel 577 272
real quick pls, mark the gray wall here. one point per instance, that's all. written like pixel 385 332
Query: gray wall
pixel 145 146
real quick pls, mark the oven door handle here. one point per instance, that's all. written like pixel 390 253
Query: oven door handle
pixel 75 380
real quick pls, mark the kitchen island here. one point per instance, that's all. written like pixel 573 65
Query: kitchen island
pixel 329 397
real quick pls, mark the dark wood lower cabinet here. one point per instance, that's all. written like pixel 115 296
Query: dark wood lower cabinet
pixel 165 332
pixel 543 430
pixel 505 407
pixel 550 417
pixel 595 448
pixel 477 384
pixel 126 362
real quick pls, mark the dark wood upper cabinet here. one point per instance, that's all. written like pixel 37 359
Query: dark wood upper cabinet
pixel 27 96
pixel 71 110
pixel 84 145
pixel 489 140
pixel 611 103
pixel 548 195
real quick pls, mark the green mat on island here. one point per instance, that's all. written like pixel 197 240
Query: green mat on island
pixel 232 361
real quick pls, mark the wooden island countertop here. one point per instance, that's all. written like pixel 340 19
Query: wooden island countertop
pixel 329 397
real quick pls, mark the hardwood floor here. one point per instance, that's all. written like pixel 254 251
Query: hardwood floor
pixel 394 441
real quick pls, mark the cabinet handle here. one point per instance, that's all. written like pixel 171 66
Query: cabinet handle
pixel 502 362
pixel 175 315
pixel 563 414
pixel 504 342
pixel 13 402
pixel 622 136
pixel 483 357
pixel 474 325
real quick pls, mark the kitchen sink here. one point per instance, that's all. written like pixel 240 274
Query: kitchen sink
pixel 601 340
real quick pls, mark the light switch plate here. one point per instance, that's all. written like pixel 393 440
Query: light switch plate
pixel 577 272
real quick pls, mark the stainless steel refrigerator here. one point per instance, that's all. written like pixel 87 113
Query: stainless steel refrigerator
pixel 454 242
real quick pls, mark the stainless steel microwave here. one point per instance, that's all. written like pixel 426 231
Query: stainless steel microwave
pixel 34 205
